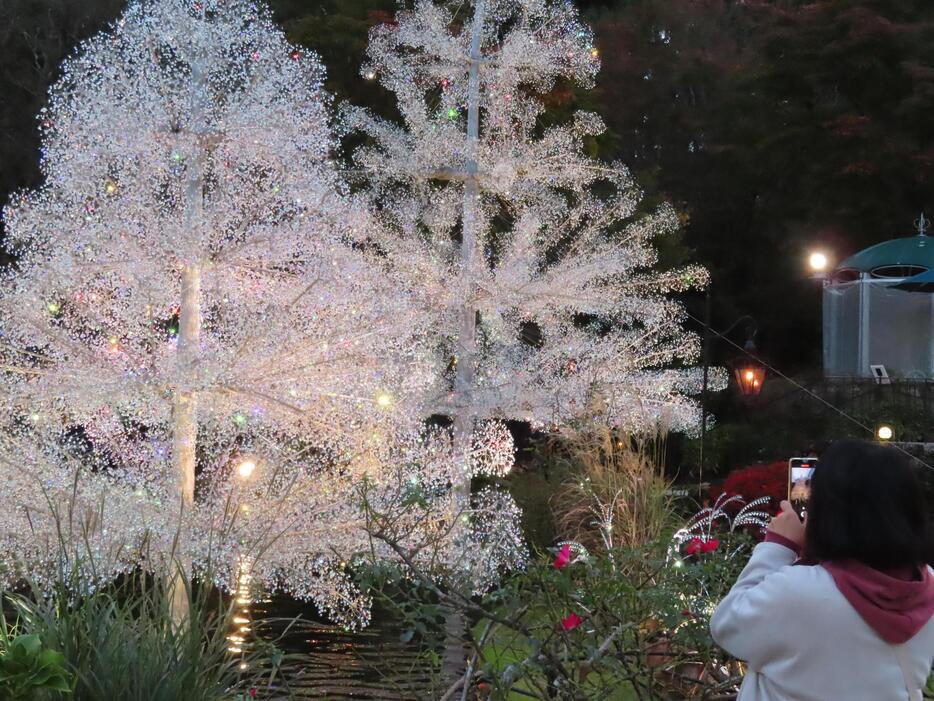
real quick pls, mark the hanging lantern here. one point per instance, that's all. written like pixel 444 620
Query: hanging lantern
pixel 749 371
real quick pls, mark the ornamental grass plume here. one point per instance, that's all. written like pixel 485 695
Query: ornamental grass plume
pixel 617 494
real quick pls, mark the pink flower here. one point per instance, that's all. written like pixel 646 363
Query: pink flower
pixel 563 557
pixel 694 544
pixel 708 546
pixel 570 622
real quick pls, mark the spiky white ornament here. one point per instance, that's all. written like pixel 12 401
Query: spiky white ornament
pixel 534 259
pixel 190 335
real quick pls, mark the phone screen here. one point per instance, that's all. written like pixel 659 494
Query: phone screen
pixel 799 482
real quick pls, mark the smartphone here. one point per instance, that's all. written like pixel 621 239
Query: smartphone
pixel 799 483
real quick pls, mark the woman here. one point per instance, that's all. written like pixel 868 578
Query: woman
pixel 853 620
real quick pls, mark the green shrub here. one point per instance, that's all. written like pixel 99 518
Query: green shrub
pixel 28 670
pixel 120 642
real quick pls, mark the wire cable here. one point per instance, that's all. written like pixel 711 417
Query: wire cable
pixel 811 393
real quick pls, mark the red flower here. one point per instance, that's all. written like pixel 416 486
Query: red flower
pixel 563 557
pixel 694 544
pixel 708 546
pixel 252 693
pixel 570 622
pixel 687 614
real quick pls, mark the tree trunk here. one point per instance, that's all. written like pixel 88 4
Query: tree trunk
pixel 185 402
pixel 185 423
pixel 454 658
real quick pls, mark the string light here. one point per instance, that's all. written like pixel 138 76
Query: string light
pixel 261 371
pixel 636 374
pixel 245 469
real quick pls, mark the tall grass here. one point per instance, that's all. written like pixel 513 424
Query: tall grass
pixel 120 642
pixel 617 494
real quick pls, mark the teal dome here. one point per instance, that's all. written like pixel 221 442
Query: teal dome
pixel 896 258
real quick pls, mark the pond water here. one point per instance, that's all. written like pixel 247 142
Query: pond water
pixel 325 662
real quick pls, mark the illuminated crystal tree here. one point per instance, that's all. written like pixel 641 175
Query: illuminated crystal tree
pixel 190 321
pixel 533 258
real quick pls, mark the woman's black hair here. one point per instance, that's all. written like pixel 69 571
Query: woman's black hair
pixel 867 504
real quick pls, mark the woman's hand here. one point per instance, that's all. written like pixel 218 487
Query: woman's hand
pixel 788 525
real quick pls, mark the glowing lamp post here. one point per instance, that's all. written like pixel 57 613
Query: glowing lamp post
pixel 749 372
pixel 818 264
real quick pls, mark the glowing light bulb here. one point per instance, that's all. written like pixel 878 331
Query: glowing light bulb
pixel 246 468
pixel 370 75
pixel 818 261
pixel 384 400
pixel 53 307
pixel 885 433
pixel 750 375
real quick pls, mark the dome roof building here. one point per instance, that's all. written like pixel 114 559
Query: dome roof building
pixel 878 308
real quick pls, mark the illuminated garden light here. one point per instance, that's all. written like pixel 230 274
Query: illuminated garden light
pixel 818 262
pixel 246 468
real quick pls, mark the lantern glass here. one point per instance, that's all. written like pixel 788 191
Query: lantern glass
pixel 749 377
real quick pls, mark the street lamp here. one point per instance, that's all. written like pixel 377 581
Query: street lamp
pixel 818 262
pixel 749 372
pixel 884 433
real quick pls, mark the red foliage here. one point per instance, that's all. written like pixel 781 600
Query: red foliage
pixel 762 480
pixel 381 17
pixel 861 168
pixel 848 125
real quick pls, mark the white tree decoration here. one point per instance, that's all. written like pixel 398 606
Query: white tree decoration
pixel 188 298
pixel 531 256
